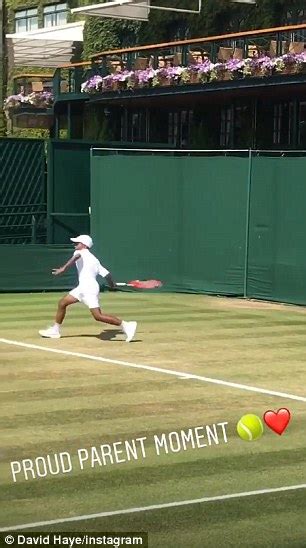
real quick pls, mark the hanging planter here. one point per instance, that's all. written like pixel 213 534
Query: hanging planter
pixel 33 102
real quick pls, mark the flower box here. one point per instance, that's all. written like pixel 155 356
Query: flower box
pixel 33 102
pixel 255 67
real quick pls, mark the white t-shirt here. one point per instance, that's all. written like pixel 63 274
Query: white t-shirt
pixel 89 267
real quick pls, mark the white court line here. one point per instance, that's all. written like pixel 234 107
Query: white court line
pixel 180 374
pixel 154 507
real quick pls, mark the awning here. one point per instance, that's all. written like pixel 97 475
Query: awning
pixel 137 10
pixel 47 47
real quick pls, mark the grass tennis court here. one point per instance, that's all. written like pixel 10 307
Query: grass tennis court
pixel 52 403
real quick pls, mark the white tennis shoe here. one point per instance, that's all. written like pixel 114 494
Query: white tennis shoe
pixel 129 328
pixel 50 333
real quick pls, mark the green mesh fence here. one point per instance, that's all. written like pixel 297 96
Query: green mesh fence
pixel 23 198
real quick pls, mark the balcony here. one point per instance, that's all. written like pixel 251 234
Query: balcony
pixel 245 59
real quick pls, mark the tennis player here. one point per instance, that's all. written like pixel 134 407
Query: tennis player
pixel 87 291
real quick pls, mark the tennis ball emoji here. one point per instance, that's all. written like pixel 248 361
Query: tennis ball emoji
pixel 250 428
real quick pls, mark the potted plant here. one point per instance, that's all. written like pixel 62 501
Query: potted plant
pixel 145 77
pixel 290 66
pixel 162 77
pixel 92 85
pixel 204 71
pixel 235 67
pixel 219 71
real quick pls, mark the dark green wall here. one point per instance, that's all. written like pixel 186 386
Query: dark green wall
pixel 277 258
pixel 187 221
pixel 181 220
pixel 68 190
pixel 212 224
pixel 29 268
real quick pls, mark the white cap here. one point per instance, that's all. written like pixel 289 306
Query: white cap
pixel 83 239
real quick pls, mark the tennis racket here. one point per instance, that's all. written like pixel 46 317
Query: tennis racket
pixel 141 284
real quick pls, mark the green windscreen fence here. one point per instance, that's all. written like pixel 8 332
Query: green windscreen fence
pixel 277 258
pixel 228 223
pixel 29 268
pixel 68 189
pixel 181 219
pixel 23 196
pixel 223 223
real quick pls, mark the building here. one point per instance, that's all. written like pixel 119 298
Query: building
pixel 232 105
pixel 244 90
pixel 39 36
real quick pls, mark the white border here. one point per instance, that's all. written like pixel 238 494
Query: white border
pixel 154 507
pixel 179 374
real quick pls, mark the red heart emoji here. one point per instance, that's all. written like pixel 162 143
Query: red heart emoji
pixel 277 421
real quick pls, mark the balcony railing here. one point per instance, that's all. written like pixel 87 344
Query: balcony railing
pixel 272 42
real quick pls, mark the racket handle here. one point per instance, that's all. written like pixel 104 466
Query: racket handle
pixel 121 284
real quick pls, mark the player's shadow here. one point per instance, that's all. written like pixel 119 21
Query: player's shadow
pixel 109 335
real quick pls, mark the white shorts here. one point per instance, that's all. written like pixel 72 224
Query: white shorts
pixel 88 297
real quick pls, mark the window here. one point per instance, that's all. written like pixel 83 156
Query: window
pixel 302 125
pixel 282 124
pixel 158 126
pixel 243 126
pixel 136 126
pixel 173 128
pixel 296 16
pixel 26 20
pixel 55 15
pixel 186 125
pixel 226 127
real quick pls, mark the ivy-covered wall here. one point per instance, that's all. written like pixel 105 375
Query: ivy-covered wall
pixel 2 67
pixel 106 34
